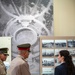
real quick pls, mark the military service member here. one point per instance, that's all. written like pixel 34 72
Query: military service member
pixel 19 65
pixel 3 56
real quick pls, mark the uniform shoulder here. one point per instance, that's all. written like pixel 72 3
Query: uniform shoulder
pixel 17 61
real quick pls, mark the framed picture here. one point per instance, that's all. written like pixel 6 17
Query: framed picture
pixel 71 43
pixel 47 71
pixel 60 43
pixel 72 52
pixel 47 43
pixel 47 52
pixel 48 61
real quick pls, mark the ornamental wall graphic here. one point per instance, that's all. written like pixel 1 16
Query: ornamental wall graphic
pixel 25 21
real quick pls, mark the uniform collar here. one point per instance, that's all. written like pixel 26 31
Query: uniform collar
pixel 1 62
pixel 21 57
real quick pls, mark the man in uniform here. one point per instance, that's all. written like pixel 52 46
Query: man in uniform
pixel 19 65
pixel 3 56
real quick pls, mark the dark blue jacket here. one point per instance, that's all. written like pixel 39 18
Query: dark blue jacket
pixel 61 70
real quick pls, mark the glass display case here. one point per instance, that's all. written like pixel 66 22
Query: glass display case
pixel 49 49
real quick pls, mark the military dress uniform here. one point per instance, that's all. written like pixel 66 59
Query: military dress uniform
pixel 2 68
pixel 19 65
pixel 2 65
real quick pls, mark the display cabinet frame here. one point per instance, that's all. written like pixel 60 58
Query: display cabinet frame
pixel 49 49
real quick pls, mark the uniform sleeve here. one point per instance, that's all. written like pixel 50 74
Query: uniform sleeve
pixel 57 71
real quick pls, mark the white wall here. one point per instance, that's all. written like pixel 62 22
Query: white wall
pixel 6 42
pixel 64 17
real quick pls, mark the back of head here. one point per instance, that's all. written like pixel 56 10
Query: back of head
pixel 64 53
pixel 68 61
